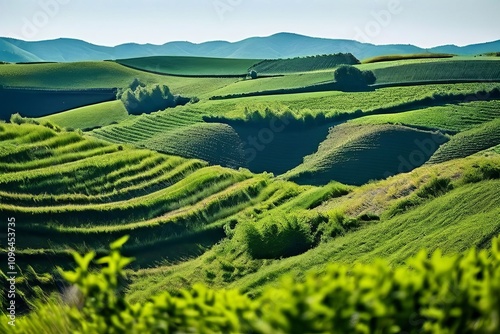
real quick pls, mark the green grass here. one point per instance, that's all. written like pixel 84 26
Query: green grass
pixel 453 117
pixel 184 216
pixel 433 225
pixel 144 127
pixel 355 154
pixel 202 88
pixel 191 66
pixel 263 84
pixel 101 75
pixel 179 132
pixel 67 190
pixel 80 75
pixel 440 70
pixel 469 142
pixel 213 142
pixel 455 221
pixel 335 102
pixel 90 117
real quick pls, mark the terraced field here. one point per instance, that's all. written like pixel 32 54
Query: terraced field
pixel 440 71
pixel 356 154
pixel 182 132
pixel 469 142
pixel 432 224
pixel 179 132
pixel 335 102
pixel 419 167
pixel 213 142
pixel 68 190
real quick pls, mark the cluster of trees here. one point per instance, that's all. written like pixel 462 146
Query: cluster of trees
pixel 350 77
pixel 140 98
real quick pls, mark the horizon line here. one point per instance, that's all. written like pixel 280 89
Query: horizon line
pixel 241 40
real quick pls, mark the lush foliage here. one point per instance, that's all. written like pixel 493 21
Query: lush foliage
pixel 432 294
pixel 278 238
pixel 140 98
pixel 352 77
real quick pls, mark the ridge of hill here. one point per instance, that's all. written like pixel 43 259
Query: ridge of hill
pixel 281 45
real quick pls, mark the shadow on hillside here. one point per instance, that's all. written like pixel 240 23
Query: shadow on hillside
pixel 279 151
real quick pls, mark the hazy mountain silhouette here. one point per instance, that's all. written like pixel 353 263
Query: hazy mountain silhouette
pixel 282 45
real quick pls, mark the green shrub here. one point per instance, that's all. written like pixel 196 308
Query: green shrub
pixel 274 238
pixel 435 188
pixel 252 74
pixel 478 173
pixel 431 294
pixel 139 98
pixel 352 77
pixel 18 119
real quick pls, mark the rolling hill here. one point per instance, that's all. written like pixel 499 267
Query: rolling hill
pixel 354 154
pixel 238 192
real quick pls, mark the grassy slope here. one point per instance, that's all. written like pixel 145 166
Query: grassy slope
pixel 68 190
pixel 192 66
pixel 460 117
pixel 213 142
pixel 454 222
pixel 73 75
pixel 469 142
pixel 287 81
pixel 89 117
pixel 331 103
pixel 99 75
pixel 281 154
pixel 355 154
pixel 440 70
pixel 179 132
pixel 386 72
pixel 463 218
pixel 128 175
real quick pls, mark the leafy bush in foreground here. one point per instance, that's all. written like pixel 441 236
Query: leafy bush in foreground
pixel 436 294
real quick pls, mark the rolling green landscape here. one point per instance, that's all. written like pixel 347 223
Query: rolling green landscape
pixel 257 195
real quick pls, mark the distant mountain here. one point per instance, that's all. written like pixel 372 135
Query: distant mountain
pixel 282 45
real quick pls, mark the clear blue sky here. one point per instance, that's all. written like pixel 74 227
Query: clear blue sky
pixel 425 23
